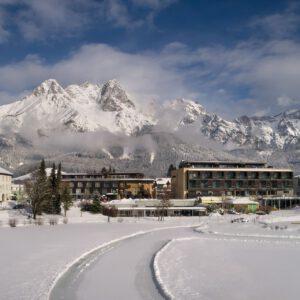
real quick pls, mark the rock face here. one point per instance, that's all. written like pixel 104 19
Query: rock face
pixel 267 132
pixel 114 98
pixel 144 141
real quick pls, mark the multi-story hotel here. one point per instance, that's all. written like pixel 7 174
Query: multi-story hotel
pixel 112 185
pixel 5 184
pixel 214 178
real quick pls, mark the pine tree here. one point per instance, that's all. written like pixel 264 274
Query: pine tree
pixel 38 190
pixel 96 207
pixel 49 206
pixel 57 202
pixel 65 198
pixel 170 169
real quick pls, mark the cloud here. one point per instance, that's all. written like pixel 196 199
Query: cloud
pixel 53 19
pixel 261 70
pixel 143 75
pixel 117 13
pixel 278 25
pixel 4 33
pixel 44 20
pixel 246 78
pixel 154 4
pixel 285 101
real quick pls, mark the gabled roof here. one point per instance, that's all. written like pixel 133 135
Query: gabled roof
pixel 5 172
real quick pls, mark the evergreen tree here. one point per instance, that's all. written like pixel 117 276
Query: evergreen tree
pixel 65 199
pixel 38 190
pixel 96 207
pixel 104 171
pixel 170 169
pixel 57 201
pixel 49 206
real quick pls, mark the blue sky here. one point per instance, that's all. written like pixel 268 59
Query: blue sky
pixel 234 57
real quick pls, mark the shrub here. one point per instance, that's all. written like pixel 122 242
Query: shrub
pixel 39 221
pixel 53 221
pixel 12 222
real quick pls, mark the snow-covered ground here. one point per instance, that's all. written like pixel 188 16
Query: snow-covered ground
pixel 258 259
pixel 31 257
pixel 236 260
pixel 230 268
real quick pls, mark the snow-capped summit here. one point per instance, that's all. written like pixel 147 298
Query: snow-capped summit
pixel 275 132
pixel 113 97
pixel 50 107
pixel 49 86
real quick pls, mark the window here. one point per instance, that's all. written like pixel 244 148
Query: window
pixel 206 175
pixel 218 175
pixel 230 175
pixel 264 175
pixel 242 175
pixel 192 175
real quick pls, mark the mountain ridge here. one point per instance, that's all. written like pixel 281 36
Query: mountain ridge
pixel 106 114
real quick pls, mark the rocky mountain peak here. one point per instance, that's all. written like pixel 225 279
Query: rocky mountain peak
pixel 113 97
pixel 49 86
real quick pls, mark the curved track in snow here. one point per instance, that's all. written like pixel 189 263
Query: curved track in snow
pixel 120 270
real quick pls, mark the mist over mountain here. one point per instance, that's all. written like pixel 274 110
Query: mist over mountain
pixel 89 126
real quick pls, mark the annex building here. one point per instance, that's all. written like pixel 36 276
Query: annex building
pixel 112 185
pixel 215 178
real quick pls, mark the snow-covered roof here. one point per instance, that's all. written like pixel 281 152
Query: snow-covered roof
pixel 122 201
pixel 240 200
pixel 5 172
pixel 197 208
pixel 163 180
pixel 29 175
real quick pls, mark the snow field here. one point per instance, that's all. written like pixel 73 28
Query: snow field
pixel 229 268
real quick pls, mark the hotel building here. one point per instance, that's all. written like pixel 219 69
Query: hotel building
pixel 215 178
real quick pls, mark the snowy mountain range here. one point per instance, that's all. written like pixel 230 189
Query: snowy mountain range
pixel 54 121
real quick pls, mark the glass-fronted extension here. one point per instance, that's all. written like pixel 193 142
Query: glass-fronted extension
pixel 193 179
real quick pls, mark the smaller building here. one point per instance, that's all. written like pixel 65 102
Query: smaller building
pixel 152 208
pixel 162 187
pixel 242 204
pixel 5 185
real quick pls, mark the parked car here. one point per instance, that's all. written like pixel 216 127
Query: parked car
pixel 261 212
pixel 19 206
